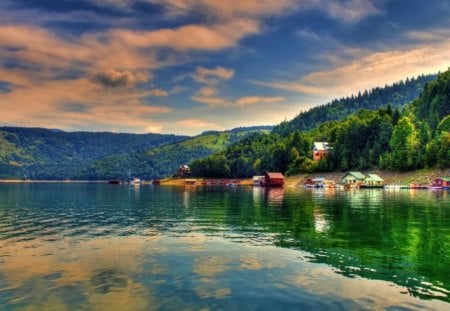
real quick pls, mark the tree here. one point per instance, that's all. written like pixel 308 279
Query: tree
pixel 404 143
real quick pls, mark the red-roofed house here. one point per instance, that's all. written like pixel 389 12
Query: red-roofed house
pixel 273 179
pixel 320 150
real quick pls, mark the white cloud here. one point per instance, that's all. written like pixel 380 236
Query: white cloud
pixel 196 124
pixel 369 69
pixel 212 76
pixel 251 100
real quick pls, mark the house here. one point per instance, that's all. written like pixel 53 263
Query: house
pixel 373 181
pixel 272 179
pixel 320 150
pixel 258 180
pixel 353 178
pixel 184 171
pixel 443 183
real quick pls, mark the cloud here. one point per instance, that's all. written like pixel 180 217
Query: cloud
pixel 153 129
pixel 349 11
pixel 195 124
pixel 189 37
pixel 159 93
pixel 228 9
pixel 119 78
pixel 74 104
pixel 212 76
pixel 369 69
pixel 209 96
pixel 431 35
pixel 251 100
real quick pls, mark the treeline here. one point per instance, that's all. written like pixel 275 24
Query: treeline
pixel 396 95
pixel 414 137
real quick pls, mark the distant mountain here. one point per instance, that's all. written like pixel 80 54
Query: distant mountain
pixel 164 161
pixel 39 153
pixel 395 95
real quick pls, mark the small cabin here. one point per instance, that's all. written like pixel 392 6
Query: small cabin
pixel 373 180
pixel 443 182
pixel 353 178
pixel 320 150
pixel 273 179
pixel 258 180
pixel 184 171
pixel 318 182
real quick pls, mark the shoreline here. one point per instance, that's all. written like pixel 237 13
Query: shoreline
pixel 423 176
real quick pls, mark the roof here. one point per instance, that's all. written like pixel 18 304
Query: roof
pixel 357 175
pixel 318 179
pixel 374 177
pixel 321 145
pixel 444 178
pixel 273 175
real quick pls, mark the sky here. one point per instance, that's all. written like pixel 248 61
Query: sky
pixel 186 66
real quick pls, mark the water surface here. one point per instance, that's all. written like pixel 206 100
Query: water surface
pixel 98 246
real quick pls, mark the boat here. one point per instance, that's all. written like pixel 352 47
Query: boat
pixel 135 181
pixel 364 186
pixel 156 182
pixel 395 187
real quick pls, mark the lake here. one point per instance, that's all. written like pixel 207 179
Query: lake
pixel 116 247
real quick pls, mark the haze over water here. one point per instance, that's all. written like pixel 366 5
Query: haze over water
pixel 99 246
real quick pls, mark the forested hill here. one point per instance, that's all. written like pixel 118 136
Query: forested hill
pixel 416 137
pixel 395 95
pixel 53 154
pixel 164 161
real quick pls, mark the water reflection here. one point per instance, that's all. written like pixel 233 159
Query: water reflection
pixel 98 246
pixel 269 196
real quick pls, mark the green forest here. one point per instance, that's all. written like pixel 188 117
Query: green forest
pixel 35 153
pixel 392 136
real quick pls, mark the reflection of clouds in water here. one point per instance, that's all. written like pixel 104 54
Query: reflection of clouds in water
pixel 195 241
pixel 208 268
pixel 96 271
pixel 250 263
pixel 372 294
pixel 132 297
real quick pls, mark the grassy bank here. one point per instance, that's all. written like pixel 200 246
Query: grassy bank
pixel 181 181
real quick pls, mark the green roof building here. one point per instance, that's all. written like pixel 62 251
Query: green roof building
pixel 373 180
pixel 353 178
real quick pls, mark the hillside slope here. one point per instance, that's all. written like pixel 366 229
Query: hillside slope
pixel 395 95
pixel 38 153
pixel 164 161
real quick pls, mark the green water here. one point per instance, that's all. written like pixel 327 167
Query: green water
pixel 112 247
